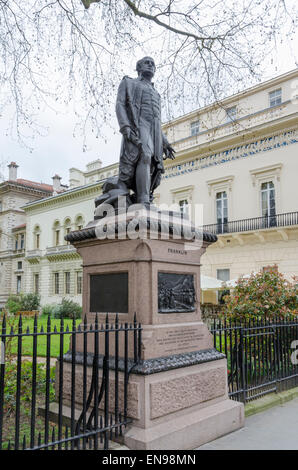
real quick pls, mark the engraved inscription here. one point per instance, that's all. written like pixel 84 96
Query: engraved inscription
pixel 178 252
pixel 180 340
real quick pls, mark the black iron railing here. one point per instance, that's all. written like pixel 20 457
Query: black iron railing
pixel 256 223
pixel 90 408
pixel 260 355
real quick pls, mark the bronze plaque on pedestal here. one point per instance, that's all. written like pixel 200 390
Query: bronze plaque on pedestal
pixel 109 293
pixel 176 293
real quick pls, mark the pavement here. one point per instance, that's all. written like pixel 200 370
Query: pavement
pixel 273 429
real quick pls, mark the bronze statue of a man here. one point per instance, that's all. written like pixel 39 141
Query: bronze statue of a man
pixel 143 145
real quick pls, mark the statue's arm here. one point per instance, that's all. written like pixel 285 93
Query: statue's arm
pixel 165 142
pixel 168 150
pixel 121 106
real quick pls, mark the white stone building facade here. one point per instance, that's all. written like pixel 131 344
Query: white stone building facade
pixel 14 194
pixel 237 158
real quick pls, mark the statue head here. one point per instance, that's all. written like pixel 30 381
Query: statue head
pixel 146 67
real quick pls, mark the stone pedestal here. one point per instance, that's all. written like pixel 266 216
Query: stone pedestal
pixel 177 395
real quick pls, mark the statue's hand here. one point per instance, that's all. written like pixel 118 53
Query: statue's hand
pixel 126 132
pixel 169 151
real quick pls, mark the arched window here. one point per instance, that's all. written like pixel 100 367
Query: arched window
pixel 79 223
pixel 36 237
pixel 67 227
pixel 56 233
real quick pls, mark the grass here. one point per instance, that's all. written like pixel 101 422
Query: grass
pixel 27 341
pixel 9 403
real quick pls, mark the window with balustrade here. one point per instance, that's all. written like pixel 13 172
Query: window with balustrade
pixel 268 204
pixel 183 205
pixel 22 241
pixel 222 211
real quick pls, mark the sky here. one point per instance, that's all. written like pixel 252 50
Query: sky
pixel 59 150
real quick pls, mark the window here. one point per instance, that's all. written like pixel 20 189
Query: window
pixel 22 241
pixel 16 242
pixel 67 282
pixel 56 283
pixel 36 237
pixel 56 233
pixel 275 98
pixel 36 283
pixel 79 282
pixel 67 228
pixel 231 114
pixel 19 284
pixel 20 264
pixel 57 237
pixel 223 275
pixel 67 231
pixel 222 211
pixel 268 204
pixel 195 128
pixel 79 223
pixel 183 206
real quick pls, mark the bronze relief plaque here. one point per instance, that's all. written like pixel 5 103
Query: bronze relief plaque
pixel 176 293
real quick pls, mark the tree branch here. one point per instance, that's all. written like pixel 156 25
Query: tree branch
pixel 153 18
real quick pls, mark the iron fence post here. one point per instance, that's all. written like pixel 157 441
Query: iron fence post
pixel 242 365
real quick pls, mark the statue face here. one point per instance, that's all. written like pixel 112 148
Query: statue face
pixel 146 67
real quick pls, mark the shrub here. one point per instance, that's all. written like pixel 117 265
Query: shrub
pixel 30 302
pixel 13 304
pixel 69 309
pixel 264 294
pixel 25 384
pixel 49 309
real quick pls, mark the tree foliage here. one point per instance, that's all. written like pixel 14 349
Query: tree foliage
pixel 264 294
pixel 73 53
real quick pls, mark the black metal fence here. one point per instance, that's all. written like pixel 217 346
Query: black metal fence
pixel 260 355
pixel 72 402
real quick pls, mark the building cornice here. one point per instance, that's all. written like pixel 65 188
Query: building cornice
pixel 7 186
pixel 9 211
pixel 81 192
pixel 228 153
pixel 246 136
pixel 230 99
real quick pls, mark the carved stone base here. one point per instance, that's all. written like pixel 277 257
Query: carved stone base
pixel 189 431
pixel 182 408
pixel 177 402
